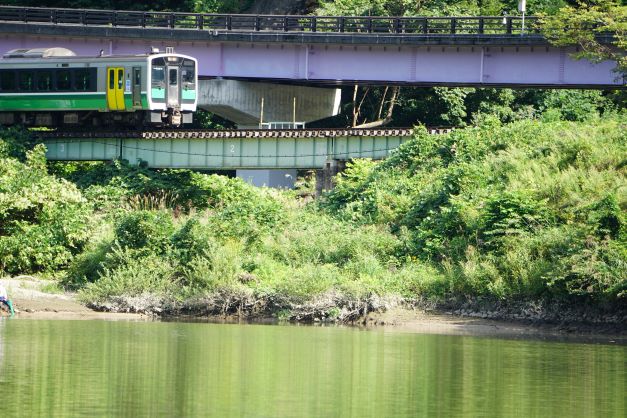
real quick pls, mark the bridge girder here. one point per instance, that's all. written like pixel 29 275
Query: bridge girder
pixel 226 153
pixel 334 60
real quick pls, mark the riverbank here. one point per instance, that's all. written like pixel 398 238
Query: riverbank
pixel 522 221
pixel 33 303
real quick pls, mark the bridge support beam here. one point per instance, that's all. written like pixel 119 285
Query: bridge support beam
pixel 233 150
pixel 325 177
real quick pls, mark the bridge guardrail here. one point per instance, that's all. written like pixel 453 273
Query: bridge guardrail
pixel 452 25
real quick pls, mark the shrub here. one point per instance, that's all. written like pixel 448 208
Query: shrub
pixel 193 240
pixel 149 230
pixel 43 220
pixel 132 276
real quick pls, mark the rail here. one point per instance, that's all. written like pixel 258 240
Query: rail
pixel 424 25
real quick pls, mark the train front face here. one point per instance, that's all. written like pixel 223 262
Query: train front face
pixel 172 88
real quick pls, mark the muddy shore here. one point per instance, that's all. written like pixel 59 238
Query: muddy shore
pixel 33 303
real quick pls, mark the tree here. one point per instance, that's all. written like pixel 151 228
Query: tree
pixel 588 26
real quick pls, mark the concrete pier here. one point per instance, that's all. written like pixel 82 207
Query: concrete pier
pixel 325 176
pixel 249 104
pixel 241 102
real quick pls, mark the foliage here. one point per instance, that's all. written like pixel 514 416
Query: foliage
pixel 584 26
pixel 525 209
pixel 442 106
pixel 431 7
pixel 131 276
pixel 158 5
pixel 43 220
pixel 144 229
pixel 220 6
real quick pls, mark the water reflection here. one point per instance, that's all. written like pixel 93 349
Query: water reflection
pixel 86 368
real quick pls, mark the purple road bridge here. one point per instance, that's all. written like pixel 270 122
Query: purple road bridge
pixel 451 51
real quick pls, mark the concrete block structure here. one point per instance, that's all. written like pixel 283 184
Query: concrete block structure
pixel 241 102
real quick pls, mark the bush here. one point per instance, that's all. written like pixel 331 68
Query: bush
pixel 149 230
pixel 132 276
pixel 193 240
pixel 43 220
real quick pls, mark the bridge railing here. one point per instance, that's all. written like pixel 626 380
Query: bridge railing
pixel 476 25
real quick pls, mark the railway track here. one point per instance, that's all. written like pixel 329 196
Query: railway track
pixel 244 133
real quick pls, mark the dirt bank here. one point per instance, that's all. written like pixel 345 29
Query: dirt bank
pixel 33 303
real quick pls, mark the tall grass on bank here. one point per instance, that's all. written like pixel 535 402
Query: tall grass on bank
pixel 528 209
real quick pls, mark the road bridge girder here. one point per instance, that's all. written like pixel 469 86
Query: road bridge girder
pixel 455 64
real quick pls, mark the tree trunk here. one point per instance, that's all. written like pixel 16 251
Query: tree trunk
pixel 388 116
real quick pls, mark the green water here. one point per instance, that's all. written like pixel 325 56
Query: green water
pixel 136 369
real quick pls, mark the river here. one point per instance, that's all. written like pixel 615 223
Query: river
pixel 134 369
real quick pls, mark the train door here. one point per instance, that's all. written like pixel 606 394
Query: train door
pixel 115 88
pixel 173 87
pixel 137 86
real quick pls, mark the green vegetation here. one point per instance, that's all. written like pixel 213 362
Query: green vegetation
pixel 582 25
pixel 522 210
pixel 43 220
pixel 529 210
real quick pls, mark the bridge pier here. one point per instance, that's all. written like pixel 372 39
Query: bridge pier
pixel 249 104
pixel 325 178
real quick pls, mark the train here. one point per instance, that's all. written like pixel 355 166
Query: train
pixel 53 87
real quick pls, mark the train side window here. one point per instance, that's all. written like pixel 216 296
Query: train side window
pixel 27 80
pixel 158 74
pixel 83 79
pixel 138 76
pixel 64 80
pixel 44 80
pixel 188 74
pixel 7 80
pixel 111 79
pixel 120 79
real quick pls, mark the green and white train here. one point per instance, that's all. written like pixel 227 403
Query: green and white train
pixel 54 87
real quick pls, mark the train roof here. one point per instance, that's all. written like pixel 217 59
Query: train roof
pixel 57 53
